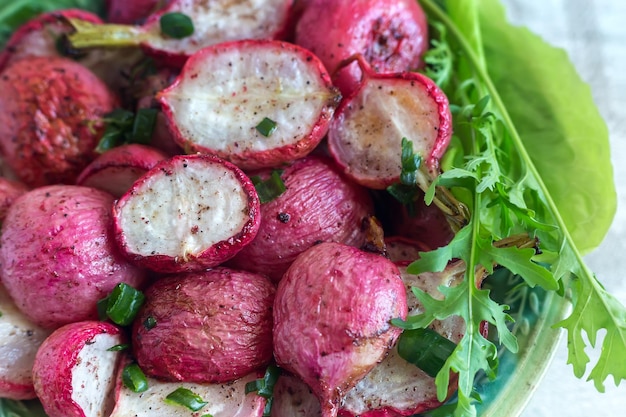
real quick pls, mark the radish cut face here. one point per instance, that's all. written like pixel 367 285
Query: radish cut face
pixel 224 92
pixel 366 135
pixel 187 213
pixel 218 21
pixel 223 400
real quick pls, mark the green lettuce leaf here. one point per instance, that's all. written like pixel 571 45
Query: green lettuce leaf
pixel 555 115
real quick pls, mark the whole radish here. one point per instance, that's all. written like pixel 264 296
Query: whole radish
pixel 392 35
pixel 9 191
pixel 58 256
pixel 319 204
pixel 75 368
pixel 51 114
pixel 206 327
pixel 332 318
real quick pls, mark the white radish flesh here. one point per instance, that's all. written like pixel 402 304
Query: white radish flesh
pixel 187 213
pixel 225 91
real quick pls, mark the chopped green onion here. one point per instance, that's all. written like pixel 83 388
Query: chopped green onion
pixel 186 398
pixel 410 163
pixel 123 304
pixel 264 387
pixel 134 378
pixel 426 349
pixel 266 127
pixel 149 323
pixel 143 125
pixel 176 25
pixel 119 347
pixel 269 189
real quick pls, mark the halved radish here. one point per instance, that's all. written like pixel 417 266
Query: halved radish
pixel 293 398
pixel 395 387
pixel 75 368
pixel 402 249
pixel 226 93
pixel 213 22
pixel 117 169
pixel 223 400
pixel 19 341
pixel 366 134
pixel 189 212
pixel 319 204
pixel 131 12
pixel 46 35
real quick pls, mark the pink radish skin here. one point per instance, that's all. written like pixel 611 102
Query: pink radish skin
pixel 20 340
pixel 366 134
pixel 319 205
pixel 332 318
pixel 74 370
pixel 58 255
pixel 188 213
pixel 10 190
pixel 223 400
pixel 132 12
pixel 211 327
pixel 392 35
pixel 246 82
pixel 117 169
pixel 51 114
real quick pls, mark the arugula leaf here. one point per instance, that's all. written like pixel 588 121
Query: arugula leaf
pixel 12 408
pixel 517 149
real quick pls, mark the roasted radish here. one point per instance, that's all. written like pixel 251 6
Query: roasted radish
pixel 365 137
pixel 19 341
pixel 189 212
pixel 396 387
pixel 208 327
pixel 132 12
pixel 332 318
pixel 216 400
pixel 46 35
pixel 58 255
pixel 401 249
pixel 117 169
pixel 319 205
pixel 293 398
pixel 9 191
pixel 75 368
pixel 51 113
pixel 205 23
pixel 255 103
pixel 392 35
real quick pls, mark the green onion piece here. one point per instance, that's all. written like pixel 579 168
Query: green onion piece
pixel 410 163
pixel 102 306
pixel 264 387
pixel 269 189
pixel 266 127
pixel 143 125
pixel 426 349
pixel 118 348
pixel 267 410
pixel 406 195
pixel 124 303
pixel 118 123
pixel 134 378
pixel 207 415
pixel 186 398
pixel 176 25
pixel 149 323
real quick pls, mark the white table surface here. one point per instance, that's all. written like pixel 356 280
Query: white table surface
pixel 594 34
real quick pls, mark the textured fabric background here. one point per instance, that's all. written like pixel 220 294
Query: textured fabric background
pixel 594 34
